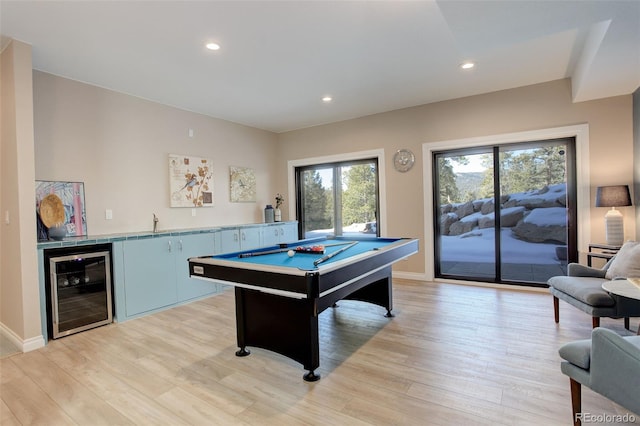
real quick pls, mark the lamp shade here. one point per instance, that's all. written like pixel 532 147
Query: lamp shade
pixel 613 196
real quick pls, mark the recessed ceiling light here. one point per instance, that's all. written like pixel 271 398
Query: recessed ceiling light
pixel 467 65
pixel 327 99
pixel 213 46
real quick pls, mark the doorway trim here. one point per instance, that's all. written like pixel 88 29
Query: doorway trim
pixel 349 156
pixel 583 191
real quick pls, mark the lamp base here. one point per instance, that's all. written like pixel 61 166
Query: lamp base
pixel 614 223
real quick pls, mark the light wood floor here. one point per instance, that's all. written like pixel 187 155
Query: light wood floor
pixel 453 355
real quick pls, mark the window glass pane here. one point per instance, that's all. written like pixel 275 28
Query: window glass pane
pixel 317 202
pixel 359 199
pixel 466 243
pixel 534 211
pixel 339 199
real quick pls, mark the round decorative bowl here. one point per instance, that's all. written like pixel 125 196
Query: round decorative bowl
pixel 57 233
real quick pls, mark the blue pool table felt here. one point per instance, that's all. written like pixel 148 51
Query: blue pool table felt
pixel 304 261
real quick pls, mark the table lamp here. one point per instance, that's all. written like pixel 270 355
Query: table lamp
pixel 613 196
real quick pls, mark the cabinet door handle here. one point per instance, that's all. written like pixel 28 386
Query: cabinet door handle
pixel 235 237
pixel 169 246
pixel 276 232
pixel 281 231
pixel 180 242
pixel 244 237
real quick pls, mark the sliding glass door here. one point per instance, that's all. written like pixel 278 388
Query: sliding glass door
pixel 338 199
pixel 505 213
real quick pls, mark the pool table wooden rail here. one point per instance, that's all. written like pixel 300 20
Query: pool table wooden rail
pixel 294 282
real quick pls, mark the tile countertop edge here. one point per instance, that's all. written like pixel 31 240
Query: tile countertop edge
pixel 109 238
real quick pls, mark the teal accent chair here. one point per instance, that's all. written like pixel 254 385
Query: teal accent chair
pixel 609 364
pixel 582 288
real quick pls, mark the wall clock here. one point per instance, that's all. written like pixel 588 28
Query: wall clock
pixel 403 160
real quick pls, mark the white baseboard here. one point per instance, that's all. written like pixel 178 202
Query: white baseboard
pixel 27 345
pixel 423 277
pixel 409 275
pixel 33 343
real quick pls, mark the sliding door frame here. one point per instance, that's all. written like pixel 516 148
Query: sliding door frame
pixel 583 193
pixel 351 156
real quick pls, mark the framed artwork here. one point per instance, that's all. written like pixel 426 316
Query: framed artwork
pixel 190 181
pixel 243 185
pixel 72 196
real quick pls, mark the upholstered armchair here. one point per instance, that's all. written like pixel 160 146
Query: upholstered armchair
pixel 607 363
pixel 582 287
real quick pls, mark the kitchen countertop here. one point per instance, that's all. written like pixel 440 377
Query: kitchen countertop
pixel 109 238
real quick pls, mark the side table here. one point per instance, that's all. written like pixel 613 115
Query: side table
pixel 601 251
pixel 629 288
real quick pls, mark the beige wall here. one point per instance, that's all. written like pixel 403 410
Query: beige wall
pixel 19 290
pixel 118 145
pixel 528 108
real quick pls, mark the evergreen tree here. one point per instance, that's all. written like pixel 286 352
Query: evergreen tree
pixel 449 192
pixel 315 202
pixel 528 170
pixel 486 187
pixel 328 215
pixel 554 166
pixel 359 197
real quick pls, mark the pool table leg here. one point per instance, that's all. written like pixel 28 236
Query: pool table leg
pixel 311 376
pixel 378 289
pixel 283 325
pixel 243 351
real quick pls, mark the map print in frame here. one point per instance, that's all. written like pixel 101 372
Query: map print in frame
pixel 190 181
pixel 243 184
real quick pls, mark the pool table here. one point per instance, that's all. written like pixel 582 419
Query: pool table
pixel 279 292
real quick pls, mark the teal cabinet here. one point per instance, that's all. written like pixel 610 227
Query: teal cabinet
pixel 236 239
pixel 192 246
pixel 250 238
pixel 149 275
pixel 229 240
pixel 289 232
pixel 281 232
pixel 156 272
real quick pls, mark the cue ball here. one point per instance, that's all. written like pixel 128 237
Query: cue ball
pixel 291 253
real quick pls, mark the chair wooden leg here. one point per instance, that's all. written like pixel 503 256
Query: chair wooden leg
pixel 626 323
pixel 576 401
pixel 556 309
pixel 595 321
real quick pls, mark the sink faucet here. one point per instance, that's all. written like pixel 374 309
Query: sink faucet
pixel 155 223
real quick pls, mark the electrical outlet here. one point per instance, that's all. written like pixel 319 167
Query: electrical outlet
pixel 108 214
pixel 193 212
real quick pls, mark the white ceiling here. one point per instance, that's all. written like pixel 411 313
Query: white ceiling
pixel 278 58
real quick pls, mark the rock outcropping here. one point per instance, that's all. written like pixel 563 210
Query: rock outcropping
pixel 534 216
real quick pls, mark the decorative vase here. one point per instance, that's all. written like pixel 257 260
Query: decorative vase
pixel 58 232
pixel 268 214
pixel 277 214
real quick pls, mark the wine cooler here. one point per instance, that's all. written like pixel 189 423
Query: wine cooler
pixel 79 288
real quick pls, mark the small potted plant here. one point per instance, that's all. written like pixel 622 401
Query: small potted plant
pixel 277 212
